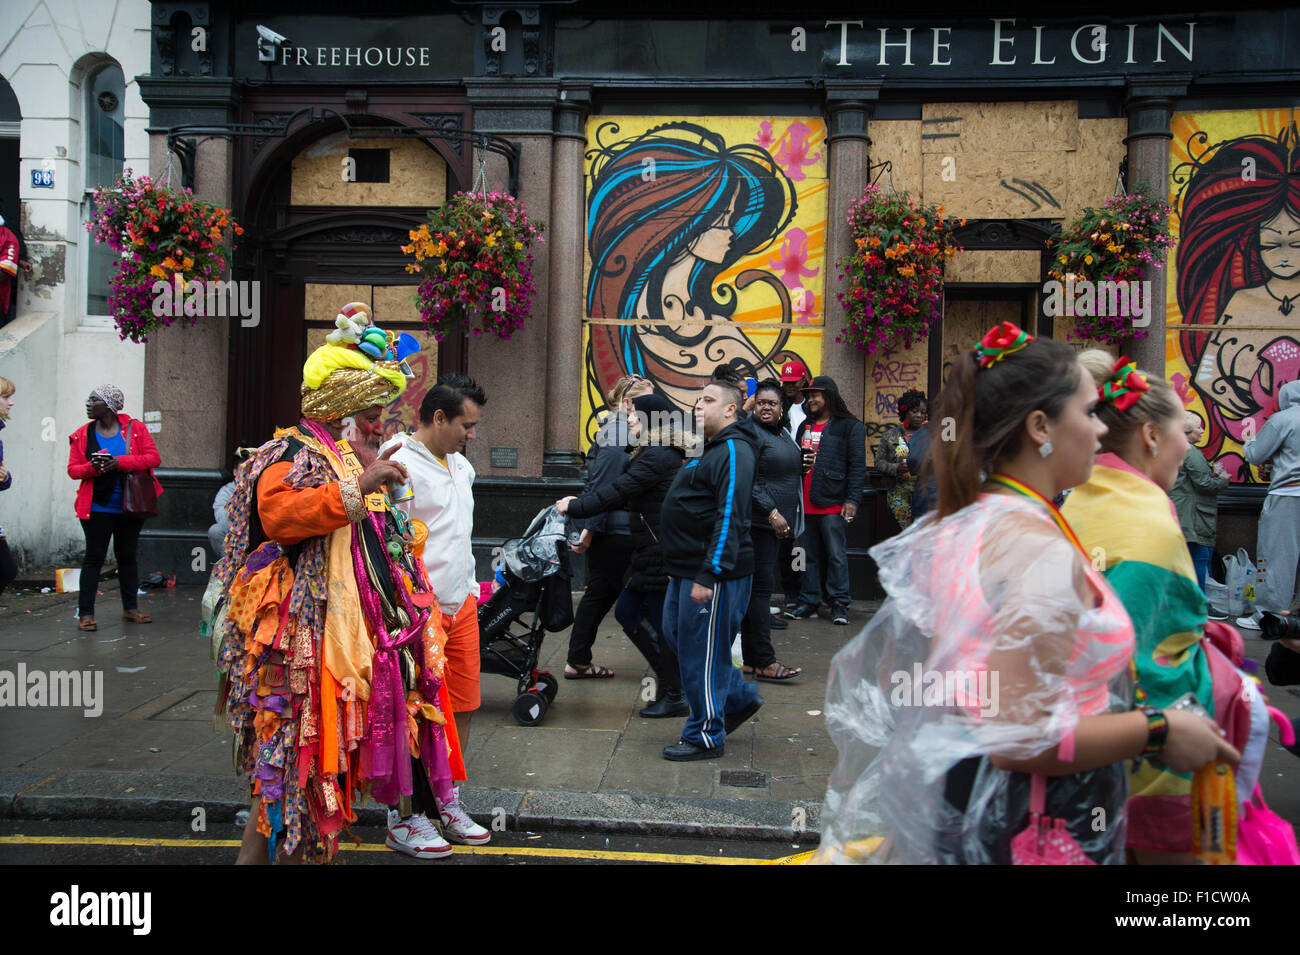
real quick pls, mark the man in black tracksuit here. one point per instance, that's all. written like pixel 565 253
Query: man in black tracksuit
pixel 710 563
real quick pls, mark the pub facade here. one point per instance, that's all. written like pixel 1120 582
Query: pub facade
pixel 1013 123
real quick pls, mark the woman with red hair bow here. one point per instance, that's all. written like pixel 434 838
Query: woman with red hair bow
pixel 1127 523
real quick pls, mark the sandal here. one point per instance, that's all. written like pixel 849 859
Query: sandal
pixel 87 623
pixel 588 672
pixel 135 616
pixel 775 672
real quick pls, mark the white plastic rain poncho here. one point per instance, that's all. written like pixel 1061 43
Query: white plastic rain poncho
pixel 996 637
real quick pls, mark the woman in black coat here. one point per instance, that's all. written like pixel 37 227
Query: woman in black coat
pixel 654 459
pixel 778 514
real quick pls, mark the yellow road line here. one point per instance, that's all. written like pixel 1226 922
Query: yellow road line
pixel 535 851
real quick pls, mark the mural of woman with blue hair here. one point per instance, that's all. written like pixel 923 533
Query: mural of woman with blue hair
pixel 667 213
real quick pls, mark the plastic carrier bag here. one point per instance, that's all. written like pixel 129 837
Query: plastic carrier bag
pixel 1240 577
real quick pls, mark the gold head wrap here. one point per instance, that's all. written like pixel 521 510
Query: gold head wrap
pixel 340 380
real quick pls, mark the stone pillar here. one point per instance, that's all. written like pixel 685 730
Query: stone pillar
pixel 849 106
pixel 566 235
pixel 514 373
pixel 1150 106
pixel 186 367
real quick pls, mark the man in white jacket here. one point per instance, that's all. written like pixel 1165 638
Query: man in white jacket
pixel 441 479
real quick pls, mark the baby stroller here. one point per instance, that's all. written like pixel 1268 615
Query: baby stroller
pixel 535 597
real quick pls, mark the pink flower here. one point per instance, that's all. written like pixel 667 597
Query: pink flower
pixel 793 154
pixel 793 255
pixel 803 304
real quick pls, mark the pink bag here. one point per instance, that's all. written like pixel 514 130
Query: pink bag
pixel 1046 841
pixel 1263 837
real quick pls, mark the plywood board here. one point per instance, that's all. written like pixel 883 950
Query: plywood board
pixel 324 301
pixel 417 175
pixel 899 142
pixel 955 128
pixel 998 184
pixel 991 265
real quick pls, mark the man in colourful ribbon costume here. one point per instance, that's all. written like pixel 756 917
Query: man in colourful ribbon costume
pixel 331 650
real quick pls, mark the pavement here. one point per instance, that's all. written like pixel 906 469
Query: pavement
pixel 591 765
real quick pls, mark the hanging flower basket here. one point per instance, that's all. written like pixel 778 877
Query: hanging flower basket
pixel 164 236
pixel 894 287
pixel 477 268
pixel 1111 244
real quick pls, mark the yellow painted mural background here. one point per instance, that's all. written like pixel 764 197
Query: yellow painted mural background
pixel 793 258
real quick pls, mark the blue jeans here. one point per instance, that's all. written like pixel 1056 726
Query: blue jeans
pixel 825 545
pixel 701 636
pixel 1201 561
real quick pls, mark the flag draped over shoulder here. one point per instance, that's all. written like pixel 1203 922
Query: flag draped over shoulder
pixel 1128 526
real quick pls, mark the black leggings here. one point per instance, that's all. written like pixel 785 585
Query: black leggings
pixel 125 532
pixel 8 569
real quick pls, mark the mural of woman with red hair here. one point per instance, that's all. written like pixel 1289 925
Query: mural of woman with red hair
pixel 1238 264
pixel 668 211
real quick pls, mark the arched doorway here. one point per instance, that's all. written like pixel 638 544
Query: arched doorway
pixel 315 241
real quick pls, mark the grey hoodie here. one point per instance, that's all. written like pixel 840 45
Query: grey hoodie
pixel 1279 439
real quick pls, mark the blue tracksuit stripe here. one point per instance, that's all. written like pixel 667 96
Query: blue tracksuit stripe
pixel 726 510
pixel 710 704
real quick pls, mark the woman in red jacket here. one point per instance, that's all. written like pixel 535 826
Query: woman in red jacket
pixel 105 449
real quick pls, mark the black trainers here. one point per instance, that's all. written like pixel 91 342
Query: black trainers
pixel 840 615
pixel 802 612
pixel 682 751
pixel 668 704
pixel 734 721
pixel 777 622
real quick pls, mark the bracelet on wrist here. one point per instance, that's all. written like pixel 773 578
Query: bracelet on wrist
pixel 1157 730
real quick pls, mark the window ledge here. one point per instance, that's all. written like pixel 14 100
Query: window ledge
pixel 96 323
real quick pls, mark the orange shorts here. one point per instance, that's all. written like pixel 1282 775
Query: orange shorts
pixel 462 650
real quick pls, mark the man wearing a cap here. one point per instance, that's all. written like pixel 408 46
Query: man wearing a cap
pixel 794 378
pixel 834 445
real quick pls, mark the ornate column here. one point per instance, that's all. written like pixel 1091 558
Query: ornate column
pixel 566 234
pixel 514 373
pixel 849 106
pixel 1150 106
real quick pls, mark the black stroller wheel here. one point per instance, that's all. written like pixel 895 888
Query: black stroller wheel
pixel 547 685
pixel 529 708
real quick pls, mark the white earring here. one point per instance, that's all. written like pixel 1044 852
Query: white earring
pixel 1045 448
pixel 1154 450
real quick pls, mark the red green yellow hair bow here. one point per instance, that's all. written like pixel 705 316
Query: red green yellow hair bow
pixel 1000 342
pixel 1125 387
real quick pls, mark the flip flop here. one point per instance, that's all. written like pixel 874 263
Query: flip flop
pixel 589 672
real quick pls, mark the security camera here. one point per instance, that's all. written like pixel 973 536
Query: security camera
pixel 268 41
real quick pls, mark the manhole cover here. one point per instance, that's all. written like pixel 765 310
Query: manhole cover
pixel 750 778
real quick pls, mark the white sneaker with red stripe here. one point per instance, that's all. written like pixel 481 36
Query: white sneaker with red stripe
pixel 416 836
pixel 459 827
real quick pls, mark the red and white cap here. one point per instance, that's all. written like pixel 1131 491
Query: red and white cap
pixel 793 371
